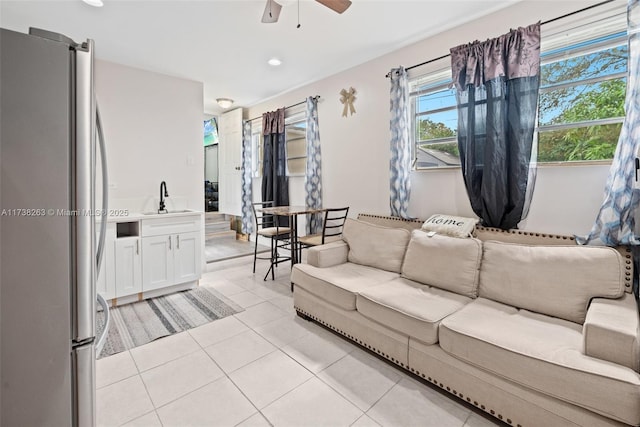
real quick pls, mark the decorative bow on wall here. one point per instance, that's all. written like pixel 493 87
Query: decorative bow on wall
pixel 347 97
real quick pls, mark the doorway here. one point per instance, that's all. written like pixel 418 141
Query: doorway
pixel 211 165
pixel 211 178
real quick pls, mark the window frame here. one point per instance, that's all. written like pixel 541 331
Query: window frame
pixel 291 120
pixel 554 47
pixel 435 84
pixel 257 141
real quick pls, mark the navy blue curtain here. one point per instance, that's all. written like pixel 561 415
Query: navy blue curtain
pixel 497 85
pixel 275 182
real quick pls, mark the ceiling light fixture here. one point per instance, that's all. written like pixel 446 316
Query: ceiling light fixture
pixel 274 62
pixel 224 102
pixel 94 3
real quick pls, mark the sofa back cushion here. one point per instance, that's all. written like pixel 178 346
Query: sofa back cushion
pixel 449 263
pixel 555 280
pixel 375 246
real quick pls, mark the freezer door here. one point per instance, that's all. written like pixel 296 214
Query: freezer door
pixel 84 387
pixel 83 224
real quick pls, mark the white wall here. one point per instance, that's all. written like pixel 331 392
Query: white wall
pixel 153 129
pixel 356 151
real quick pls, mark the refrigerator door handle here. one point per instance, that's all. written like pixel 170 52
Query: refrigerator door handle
pixel 83 186
pixel 105 191
pixel 84 387
pixel 107 316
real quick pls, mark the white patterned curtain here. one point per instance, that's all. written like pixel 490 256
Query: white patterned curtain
pixel 313 177
pixel 247 180
pixel 400 164
pixel 615 224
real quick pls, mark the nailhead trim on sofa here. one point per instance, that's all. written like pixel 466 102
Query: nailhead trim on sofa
pixel 415 372
pixel 489 233
pixel 415 223
pixel 625 251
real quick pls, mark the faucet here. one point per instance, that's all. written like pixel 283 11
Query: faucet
pixel 162 208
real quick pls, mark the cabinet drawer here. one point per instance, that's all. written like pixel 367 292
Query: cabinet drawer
pixel 174 225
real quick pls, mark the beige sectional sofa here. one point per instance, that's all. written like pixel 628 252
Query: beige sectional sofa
pixel 530 328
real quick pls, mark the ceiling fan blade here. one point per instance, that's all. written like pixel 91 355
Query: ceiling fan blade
pixel 271 12
pixel 336 5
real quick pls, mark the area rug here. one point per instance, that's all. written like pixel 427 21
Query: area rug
pixel 141 322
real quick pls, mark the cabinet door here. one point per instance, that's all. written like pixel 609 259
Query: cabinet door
pixel 128 266
pixel 157 262
pixel 187 257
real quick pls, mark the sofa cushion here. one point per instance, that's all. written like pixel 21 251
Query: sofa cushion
pixel 555 280
pixel 409 307
pixel 328 255
pixel 610 331
pixel 543 353
pixel 375 246
pixel 339 284
pixel 445 262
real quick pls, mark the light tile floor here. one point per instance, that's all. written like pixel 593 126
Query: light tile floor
pixel 264 367
pixel 221 248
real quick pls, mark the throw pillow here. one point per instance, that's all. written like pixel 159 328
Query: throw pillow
pixel 455 226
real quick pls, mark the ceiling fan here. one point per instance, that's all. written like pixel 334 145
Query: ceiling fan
pixel 273 8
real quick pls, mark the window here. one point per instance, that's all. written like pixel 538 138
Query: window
pixel 210 131
pixel 296 137
pixel 580 106
pixel 296 145
pixel 436 120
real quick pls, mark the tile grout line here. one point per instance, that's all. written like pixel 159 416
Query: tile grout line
pixel 234 384
pixel 200 347
pixel 203 386
pixel 243 278
pixel 143 415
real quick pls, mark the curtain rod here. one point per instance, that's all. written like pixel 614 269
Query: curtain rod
pixel 566 15
pixel 286 108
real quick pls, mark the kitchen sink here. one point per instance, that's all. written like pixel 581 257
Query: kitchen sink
pixel 169 212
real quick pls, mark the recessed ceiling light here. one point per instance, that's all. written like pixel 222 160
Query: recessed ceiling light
pixel 274 62
pixel 94 3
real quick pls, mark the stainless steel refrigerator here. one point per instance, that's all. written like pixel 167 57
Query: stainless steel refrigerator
pixel 49 250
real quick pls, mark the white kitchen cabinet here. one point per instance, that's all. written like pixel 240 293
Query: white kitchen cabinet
pixel 128 266
pixel 144 255
pixel 187 257
pixel 171 250
pixel 157 261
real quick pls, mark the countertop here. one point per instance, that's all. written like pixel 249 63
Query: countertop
pixel 123 215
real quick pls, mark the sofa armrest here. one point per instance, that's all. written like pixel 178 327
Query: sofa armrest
pixel 328 255
pixel 611 331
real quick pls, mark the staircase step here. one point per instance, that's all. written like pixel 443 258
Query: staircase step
pixel 215 217
pixel 213 227
pixel 228 234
